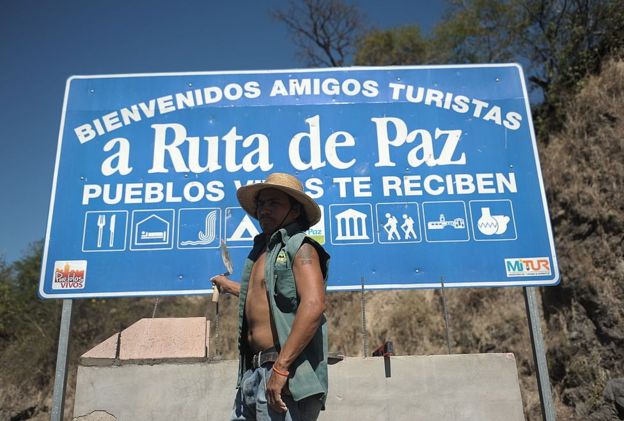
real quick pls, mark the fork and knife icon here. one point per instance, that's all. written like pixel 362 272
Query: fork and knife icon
pixel 101 223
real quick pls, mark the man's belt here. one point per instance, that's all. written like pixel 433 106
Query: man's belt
pixel 267 356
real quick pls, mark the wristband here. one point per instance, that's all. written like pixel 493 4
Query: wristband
pixel 280 372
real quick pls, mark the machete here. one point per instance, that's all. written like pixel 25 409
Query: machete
pixel 227 262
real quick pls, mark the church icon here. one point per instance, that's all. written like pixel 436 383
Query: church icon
pixel 351 224
pixel 445 221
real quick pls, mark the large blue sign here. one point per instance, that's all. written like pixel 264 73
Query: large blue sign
pixel 425 175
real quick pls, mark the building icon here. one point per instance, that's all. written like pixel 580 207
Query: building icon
pixel 351 225
pixel 441 223
pixel 152 230
pixel 445 221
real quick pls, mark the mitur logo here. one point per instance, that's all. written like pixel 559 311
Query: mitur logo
pixel 528 266
pixel 69 274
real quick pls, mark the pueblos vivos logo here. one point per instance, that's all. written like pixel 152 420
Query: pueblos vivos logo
pixel 528 266
pixel 317 232
pixel 69 274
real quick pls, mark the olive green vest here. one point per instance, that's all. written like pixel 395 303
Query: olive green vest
pixel 309 371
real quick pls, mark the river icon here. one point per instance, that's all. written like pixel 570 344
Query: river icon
pixel 199 228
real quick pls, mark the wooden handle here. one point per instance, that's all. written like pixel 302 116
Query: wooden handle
pixel 215 294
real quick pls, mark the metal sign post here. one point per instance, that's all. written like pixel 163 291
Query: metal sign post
pixel 60 376
pixel 446 320
pixel 539 355
pixel 364 329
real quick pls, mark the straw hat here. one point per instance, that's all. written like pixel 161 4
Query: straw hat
pixel 287 183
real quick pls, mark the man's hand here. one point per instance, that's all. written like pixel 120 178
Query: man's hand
pixel 226 285
pixel 274 389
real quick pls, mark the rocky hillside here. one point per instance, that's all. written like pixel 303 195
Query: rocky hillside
pixel 584 170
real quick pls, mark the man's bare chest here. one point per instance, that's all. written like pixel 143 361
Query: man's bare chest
pixel 257 281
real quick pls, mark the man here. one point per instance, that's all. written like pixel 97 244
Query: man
pixel 282 329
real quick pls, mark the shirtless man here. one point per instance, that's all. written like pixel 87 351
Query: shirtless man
pixel 282 329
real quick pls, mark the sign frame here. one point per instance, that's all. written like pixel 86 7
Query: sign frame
pixel 371 282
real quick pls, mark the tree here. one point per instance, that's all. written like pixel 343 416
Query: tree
pixel 475 31
pixel 560 41
pixel 29 326
pixel 6 282
pixel 325 31
pixel 564 42
pixel 397 46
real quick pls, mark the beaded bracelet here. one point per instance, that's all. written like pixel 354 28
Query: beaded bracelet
pixel 280 372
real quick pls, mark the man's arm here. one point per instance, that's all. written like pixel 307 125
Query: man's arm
pixel 226 285
pixel 311 291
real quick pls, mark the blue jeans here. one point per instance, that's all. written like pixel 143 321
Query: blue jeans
pixel 251 403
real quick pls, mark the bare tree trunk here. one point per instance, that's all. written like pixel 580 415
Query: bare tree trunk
pixel 324 31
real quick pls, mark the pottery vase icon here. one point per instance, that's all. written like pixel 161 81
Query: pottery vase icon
pixel 502 221
pixel 487 224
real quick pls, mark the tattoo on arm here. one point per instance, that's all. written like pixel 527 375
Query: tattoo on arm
pixel 305 254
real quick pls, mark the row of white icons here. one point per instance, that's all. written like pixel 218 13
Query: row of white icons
pixel 487 224
pixel 355 224
pixel 154 231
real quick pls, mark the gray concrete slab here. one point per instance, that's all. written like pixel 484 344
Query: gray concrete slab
pixel 193 391
pixel 449 387
pixel 439 387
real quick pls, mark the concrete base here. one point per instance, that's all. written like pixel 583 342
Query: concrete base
pixel 184 392
pixel 160 369
pixel 455 387
pixel 429 388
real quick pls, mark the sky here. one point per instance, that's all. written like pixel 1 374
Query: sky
pixel 43 42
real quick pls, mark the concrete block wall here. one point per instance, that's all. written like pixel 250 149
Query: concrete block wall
pixel 160 369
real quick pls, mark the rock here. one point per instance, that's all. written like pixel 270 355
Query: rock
pixel 614 395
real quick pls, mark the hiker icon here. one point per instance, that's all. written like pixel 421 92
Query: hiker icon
pixel 408 227
pixel 391 227
pixel 398 222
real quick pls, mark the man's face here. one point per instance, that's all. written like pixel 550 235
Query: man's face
pixel 274 210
